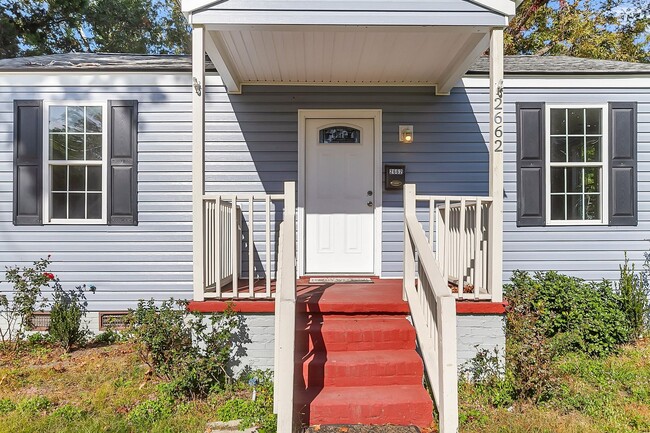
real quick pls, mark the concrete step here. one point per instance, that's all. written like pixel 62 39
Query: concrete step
pixel 359 368
pixel 392 404
pixel 337 333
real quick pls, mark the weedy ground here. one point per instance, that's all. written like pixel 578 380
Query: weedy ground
pixel 606 395
pixel 101 389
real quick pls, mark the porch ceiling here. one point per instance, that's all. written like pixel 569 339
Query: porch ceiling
pixel 345 55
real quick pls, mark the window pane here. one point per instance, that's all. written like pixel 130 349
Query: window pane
pixel 576 121
pixel 77 178
pixel 75 119
pixel 75 146
pixel 593 121
pixel 340 134
pixel 57 119
pixel 558 121
pixel 592 206
pixel 558 149
pixel 93 147
pixel 576 149
pixel 557 207
pixel 57 146
pixel 93 119
pixel 593 149
pixel 557 179
pixel 59 205
pixel 94 206
pixel 574 206
pixel 77 206
pixel 592 179
pixel 59 178
pixel 94 178
pixel 574 179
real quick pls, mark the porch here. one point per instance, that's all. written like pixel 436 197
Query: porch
pixel 262 244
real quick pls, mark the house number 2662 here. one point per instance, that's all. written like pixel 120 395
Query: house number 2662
pixel 498 120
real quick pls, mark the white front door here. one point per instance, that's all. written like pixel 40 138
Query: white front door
pixel 339 196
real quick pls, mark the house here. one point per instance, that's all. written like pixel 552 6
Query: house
pixel 339 151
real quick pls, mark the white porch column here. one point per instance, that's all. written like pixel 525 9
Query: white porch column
pixel 198 146
pixel 496 166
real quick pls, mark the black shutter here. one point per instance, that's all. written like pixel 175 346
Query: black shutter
pixel 28 162
pixel 122 163
pixel 622 164
pixel 531 200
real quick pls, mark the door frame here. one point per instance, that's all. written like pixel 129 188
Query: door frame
pixel 376 115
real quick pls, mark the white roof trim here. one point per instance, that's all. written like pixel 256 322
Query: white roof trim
pixel 504 7
pixel 188 6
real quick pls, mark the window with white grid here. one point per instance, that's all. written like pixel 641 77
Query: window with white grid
pixel 576 168
pixel 76 172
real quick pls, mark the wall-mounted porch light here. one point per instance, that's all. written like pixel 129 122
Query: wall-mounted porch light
pixel 406 134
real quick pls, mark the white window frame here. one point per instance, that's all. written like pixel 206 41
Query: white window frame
pixel 604 165
pixel 46 163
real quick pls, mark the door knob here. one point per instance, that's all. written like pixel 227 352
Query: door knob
pixel 369 203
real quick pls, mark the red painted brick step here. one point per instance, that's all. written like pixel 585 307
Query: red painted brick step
pixel 391 404
pixel 372 367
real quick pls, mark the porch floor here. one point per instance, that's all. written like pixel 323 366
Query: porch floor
pixel 381 296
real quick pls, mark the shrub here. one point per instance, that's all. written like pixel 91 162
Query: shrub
pixel 68 308
pixel 108 337
pixel 16 314
pixel 183 348
pixel 574 315
pixel 487 373
pixel 634 289
pixel 34 405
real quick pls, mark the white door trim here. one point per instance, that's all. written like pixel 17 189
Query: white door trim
pixel 376 115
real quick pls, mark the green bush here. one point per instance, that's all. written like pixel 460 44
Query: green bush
pixel 108 337
pixel 487 373
pixel 634 289
pixel 574 315
pixel 34 405
pixel 67 310
pixel 26 298
pixel 183 348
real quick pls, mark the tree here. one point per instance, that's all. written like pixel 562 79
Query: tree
pixel 599 29
pixel 32 27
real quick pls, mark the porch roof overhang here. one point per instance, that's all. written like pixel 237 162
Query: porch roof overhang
pixel 346 42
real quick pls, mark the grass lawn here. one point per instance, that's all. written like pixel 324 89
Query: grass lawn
pixel 102 389
pixel 593 395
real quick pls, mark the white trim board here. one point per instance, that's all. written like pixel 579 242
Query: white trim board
pixel 609 81
pixel 376 115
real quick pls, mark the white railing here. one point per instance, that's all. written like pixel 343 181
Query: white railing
pixel 433 310
pixel 458 236
pixel 285 316
pixel 222 245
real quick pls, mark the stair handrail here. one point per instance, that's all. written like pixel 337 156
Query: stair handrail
pixel 433 311
pixel 285 316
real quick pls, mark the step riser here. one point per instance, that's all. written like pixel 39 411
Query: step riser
pixel 319 373
pixel 416 413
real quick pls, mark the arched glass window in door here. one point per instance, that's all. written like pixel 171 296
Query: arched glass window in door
pixel 339 134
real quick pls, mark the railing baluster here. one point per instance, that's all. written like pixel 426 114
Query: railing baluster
pixel 217 240
pixel 267 271
pixel 478 256
pixel 432 205
pixel 461 249
pixel 251 249
pixel 447 258
pixel 234 246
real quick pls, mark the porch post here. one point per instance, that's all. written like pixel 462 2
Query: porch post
pixel 495 234
pixel 198 138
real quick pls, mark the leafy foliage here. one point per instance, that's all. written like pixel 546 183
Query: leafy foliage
pixel 487 373
pixel 255 411
pixel 599 29
pixel 16 313
pixel 67 310
pixel 32 27
pixel 190 352
pixel 634 289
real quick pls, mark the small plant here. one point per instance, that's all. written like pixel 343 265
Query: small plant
pixel 254 411
pixel 634 289
pixel 108 337
pixel 150 411
pixel 190 351
pixel 38 339
pixel 487 373
pixel 17 310
pixel 68 412
pixel 68 309
pixel 34 405
pixel 6 406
